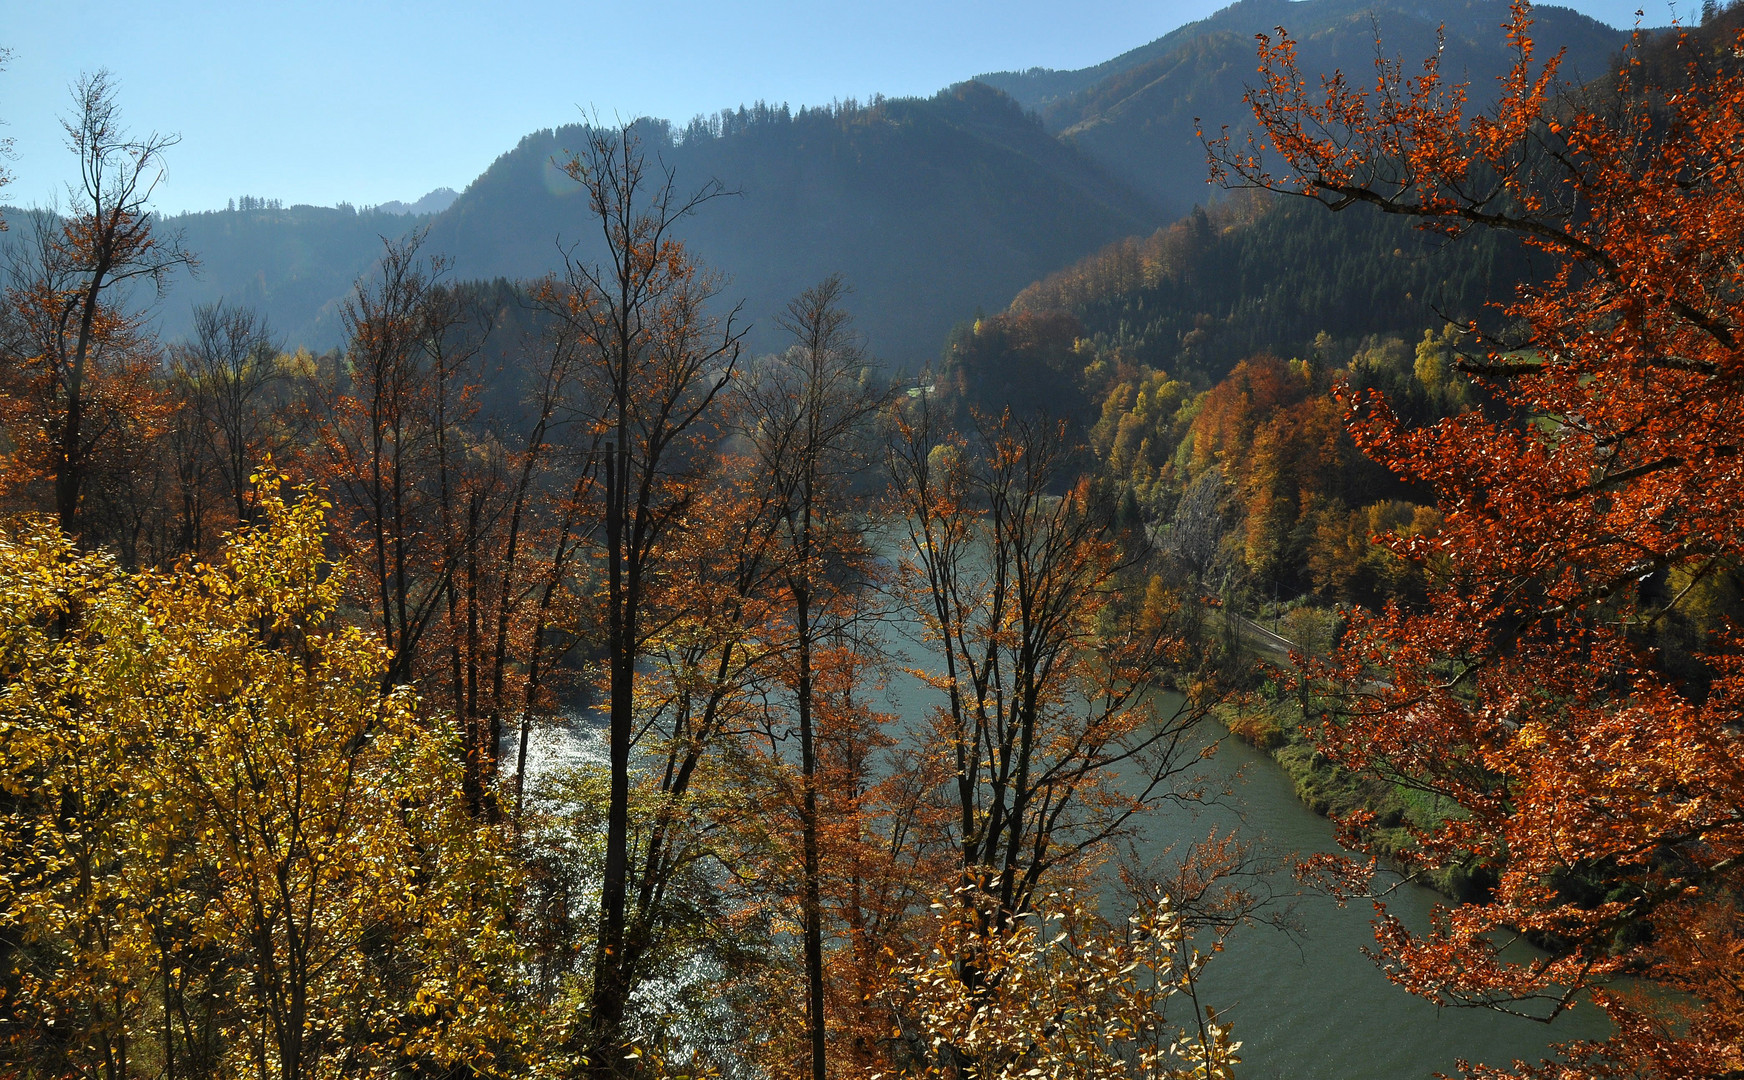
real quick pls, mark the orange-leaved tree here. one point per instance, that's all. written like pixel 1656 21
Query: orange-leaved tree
pixel 78 394
pixel 651 362
pixel 808 415
pixel 1599 774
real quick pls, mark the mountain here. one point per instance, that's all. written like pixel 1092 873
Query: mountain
pixel 433 203
pixel 1039 88
pixel 933 208
pixel 930 207
pixel 1139 114
pixel 294 264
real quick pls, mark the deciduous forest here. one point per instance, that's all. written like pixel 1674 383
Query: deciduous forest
pixel 597 673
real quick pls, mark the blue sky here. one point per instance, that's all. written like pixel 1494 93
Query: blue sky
pixel 369 100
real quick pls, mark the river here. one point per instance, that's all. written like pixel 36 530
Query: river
pixel 1312 1005
pixel 1307 1005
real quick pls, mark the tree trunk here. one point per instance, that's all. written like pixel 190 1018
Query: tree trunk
pixel 814 939
pixel 610 985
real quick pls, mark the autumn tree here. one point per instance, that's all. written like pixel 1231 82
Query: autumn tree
pixel 1066 995
pixel 382 439
pixel 1047 652
pixel 227 423
pixel 85 362
pixel 652 361
pixel 553 626
pixel 252 859
pixel 1274 435
pixel 1597 507
pixel 882 845
pixel 540 524
pixel 438 434
pixel 699 809
pixel 808 415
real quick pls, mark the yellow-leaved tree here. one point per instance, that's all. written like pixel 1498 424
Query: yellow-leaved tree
pixel 1062 995
pixel 229 852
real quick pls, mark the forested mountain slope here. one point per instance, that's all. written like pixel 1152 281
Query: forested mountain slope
pixel 1136 113
pixel 1253 275
pixel 930 208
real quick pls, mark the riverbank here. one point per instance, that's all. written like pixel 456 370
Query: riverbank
pixel 1272 723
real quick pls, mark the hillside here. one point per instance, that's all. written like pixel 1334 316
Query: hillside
pixel 931 208
pixel 1136 114
pixel 294 264
pixel 1254 275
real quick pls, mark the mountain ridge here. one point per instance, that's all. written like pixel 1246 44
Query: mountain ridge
pixel 934 208
pixel 1038 87
pixel 1139 115
pixel 432 202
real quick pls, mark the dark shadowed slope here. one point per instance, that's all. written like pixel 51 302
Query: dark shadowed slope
pixel 1136 114
pixel 930 208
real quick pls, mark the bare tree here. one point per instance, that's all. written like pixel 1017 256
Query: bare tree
pixel 516 586
pixel 652 364
pixel 808 411
pixel 225 377
pixel 5 142
pixel 1050 649
pixel 385 437
pixel 73 283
